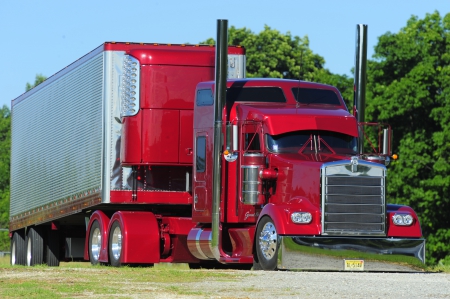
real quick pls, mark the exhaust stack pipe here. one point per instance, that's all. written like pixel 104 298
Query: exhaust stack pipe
pixel 359 87
pixel 219 102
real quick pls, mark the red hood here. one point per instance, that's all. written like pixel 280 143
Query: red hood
pixel 281 118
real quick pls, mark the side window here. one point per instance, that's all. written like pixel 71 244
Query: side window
pixel 204 97
pixel 200 158
pixel 252 142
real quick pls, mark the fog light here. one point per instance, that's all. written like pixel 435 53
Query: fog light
pixel 301 217
pixel 402 219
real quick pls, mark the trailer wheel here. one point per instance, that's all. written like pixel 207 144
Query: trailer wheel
pixel 52 249
pixel 18 249
pixel 95 243
pixel 115 244
pixel 35 246
pixel 266 245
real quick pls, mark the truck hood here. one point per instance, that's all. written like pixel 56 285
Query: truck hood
pixel 299 176
pixel 281 118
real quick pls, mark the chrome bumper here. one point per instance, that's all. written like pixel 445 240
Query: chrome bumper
pixel 329 253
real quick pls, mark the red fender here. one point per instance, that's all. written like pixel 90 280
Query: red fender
pixel 412 231
pixel 281 216
pixel 103 221
pixel 276 214
pixel 140 237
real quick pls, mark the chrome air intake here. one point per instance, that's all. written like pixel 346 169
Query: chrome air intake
pixel 353 198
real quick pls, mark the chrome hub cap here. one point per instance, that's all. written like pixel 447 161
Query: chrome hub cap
pixel 268 241
pixel 116 243
pixel 96 243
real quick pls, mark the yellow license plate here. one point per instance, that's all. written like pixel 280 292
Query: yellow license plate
pixel 353 265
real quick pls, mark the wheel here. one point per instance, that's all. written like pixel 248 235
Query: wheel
pixel 52 248
pixel 266 245
pixel 115 245
pixel 95 243
pixel 18 249
pixel 35 246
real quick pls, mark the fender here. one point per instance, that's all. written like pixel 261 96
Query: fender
pixel 103 221
pixel 281 216
pixel 414 230
pixel 140 236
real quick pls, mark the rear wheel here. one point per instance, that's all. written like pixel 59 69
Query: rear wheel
pixel 18 249
pixel 52 249
pixel 95 243
pixel 35 246
pixel 115 244
pixel 266 245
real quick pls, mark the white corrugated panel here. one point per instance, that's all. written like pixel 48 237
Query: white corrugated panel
pixel 56 148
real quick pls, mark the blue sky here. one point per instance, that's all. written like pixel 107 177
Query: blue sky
pixel 45 36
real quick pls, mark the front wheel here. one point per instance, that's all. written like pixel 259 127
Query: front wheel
pixel 266 245
pixel 115 244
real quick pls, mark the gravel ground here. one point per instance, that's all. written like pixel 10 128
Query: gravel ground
pixel 261 284
pixel 283 284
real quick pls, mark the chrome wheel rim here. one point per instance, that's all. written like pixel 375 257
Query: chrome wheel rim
pixel 116 243
pixel 268 241
pixel 29 252
pixel 13 253
pixel 96 242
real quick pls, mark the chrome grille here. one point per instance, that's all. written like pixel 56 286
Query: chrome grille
pixel 353 198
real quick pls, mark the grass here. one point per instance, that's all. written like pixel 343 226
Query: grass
pixel 81 280
pixel 77 279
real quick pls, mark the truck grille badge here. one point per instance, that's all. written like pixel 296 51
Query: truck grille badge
pixel 354 163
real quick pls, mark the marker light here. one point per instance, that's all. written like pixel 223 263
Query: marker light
pixel 301 217
pixel 402 219
pixel 129 87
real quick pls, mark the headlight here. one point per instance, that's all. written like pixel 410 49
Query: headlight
pixel 301 217
pixel 402 219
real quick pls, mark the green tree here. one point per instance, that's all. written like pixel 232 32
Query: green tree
pixel 38 80
pixel 271 54
pixel 5 141
pixel 409 87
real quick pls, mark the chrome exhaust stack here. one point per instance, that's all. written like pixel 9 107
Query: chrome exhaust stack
pixel 360 80
pixel 219 102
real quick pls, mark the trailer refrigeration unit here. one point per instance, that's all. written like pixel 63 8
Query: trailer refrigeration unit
pixel 151 153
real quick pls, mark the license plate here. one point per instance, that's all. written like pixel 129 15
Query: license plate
pixel 353 265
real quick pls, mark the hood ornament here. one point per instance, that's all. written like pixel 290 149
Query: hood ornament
pixel 354 163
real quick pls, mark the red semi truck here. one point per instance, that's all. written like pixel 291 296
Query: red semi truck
pixel 134 154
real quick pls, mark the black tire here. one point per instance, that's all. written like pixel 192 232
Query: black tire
pixel 115 245
pixel 35 246
pixel 266 245
pixel 18 248
pixel 95 243
pixel 52 248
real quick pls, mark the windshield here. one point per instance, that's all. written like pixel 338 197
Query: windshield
pixel 307 142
